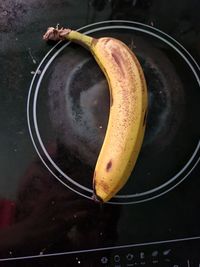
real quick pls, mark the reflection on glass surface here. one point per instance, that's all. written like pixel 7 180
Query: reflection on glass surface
pixel 47 217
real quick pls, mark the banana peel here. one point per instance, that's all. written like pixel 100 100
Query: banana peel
pixel 128 109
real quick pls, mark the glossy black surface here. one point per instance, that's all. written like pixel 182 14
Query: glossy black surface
pixel 39 215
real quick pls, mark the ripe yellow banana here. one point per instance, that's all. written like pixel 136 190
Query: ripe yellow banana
pixel 128 109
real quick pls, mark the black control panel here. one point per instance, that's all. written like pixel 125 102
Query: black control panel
pixel 172 254
pixel 164 254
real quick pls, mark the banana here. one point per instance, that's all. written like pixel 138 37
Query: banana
pixel 128 109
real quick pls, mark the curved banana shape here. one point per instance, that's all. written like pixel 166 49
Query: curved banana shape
pixel 128 110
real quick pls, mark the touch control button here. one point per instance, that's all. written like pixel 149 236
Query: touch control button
pixel 154 253
pixel 129 256
pixel 142 256
pixel 166 252
pixel 117 258
pixel 104 260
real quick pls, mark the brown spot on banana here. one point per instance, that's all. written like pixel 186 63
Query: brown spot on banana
pixel 119 61
pixel 105 187
pixel 138 67
pixel 95 197
pixel 101 184
pixel 109 166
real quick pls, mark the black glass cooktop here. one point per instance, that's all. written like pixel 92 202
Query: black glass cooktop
pixel 54 112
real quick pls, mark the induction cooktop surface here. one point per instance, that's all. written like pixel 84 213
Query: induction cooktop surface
pixel 54 114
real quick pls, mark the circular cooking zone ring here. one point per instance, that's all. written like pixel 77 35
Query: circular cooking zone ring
pixel 68 104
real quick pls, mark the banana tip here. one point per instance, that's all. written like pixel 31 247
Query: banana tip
pixel 97 199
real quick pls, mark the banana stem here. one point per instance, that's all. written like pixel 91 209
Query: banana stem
pixel 56 34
